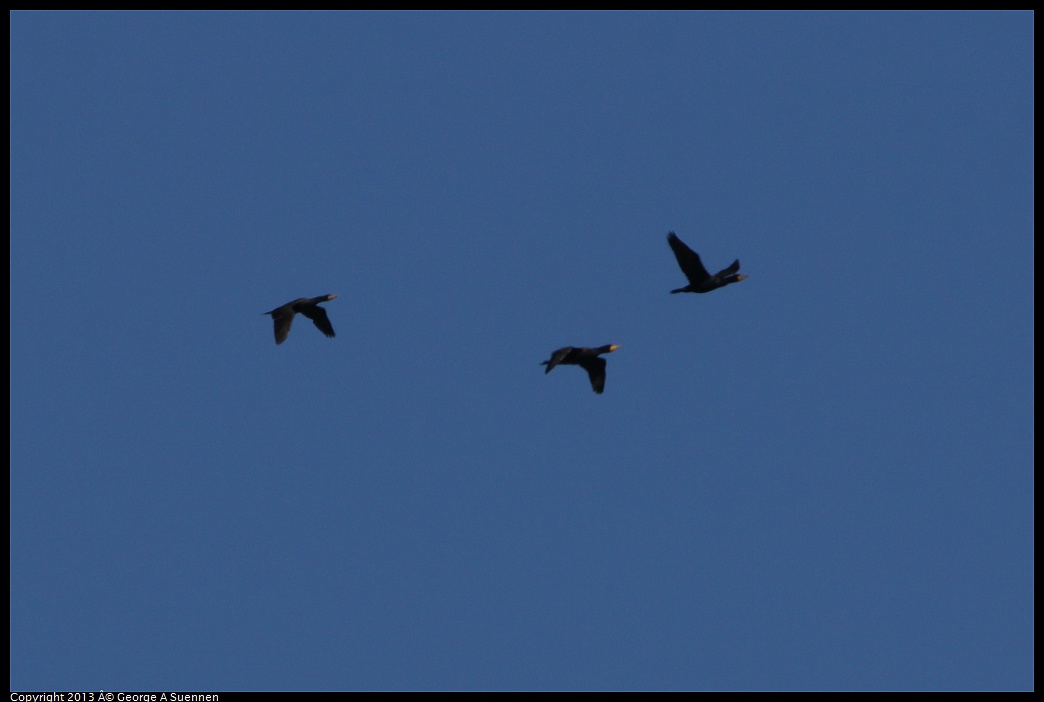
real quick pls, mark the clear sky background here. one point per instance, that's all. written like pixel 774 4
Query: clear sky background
pixel 819 478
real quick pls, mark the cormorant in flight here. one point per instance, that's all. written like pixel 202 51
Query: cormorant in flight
pixel 586 358
pixel 700 281
pixel 283 316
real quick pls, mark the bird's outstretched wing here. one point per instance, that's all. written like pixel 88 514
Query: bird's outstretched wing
pixel 595 368
pixel 282 319
pixel 318 316
pixel 731 270
pixel 556 358
pixel 688 260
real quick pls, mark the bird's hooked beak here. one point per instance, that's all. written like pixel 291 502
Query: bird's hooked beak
pixel 613 347
pixel 741 277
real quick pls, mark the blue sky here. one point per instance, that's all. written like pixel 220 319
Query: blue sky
pixel 820 478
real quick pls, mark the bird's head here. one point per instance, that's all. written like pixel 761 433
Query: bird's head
pixel 329 297
pixel 613 347
pixel 741 277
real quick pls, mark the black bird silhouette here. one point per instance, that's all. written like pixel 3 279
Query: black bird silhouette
pixel 700 281
pixel 586 358
pixel 283 316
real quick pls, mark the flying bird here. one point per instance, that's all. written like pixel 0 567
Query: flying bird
pixel 586 358
pixel 283 316
pixel 700 281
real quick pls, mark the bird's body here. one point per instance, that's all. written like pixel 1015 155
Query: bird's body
pixel 700 281
pixel 586 358
pixel 283 316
